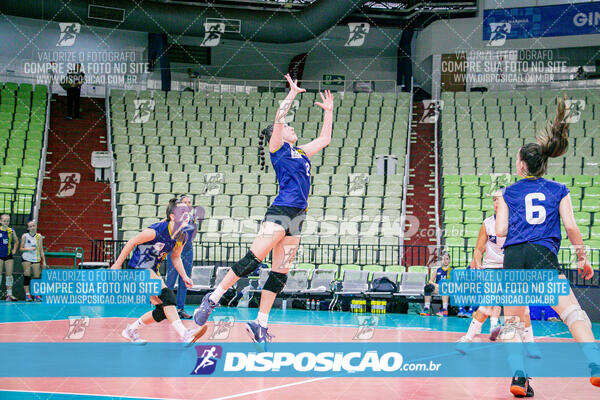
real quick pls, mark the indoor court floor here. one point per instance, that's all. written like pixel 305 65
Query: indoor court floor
pixel 34 322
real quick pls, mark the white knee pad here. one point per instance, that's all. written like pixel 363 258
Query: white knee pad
pixel 485 310
pixel 573 314
pixel 9 281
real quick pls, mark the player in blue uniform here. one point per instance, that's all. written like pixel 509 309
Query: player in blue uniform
pixel 9 243
pixel 432 287
pixel 150 247
pixel 529 215
pixel 281 227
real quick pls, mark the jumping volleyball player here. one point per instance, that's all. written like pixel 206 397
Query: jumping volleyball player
pixel 490 244
pixel 32 249
pixel 281 227
pixel 150 247
pixel 529 214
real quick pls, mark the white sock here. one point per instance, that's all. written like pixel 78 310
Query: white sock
pixel 217 294
pixel 445 305
pixel 178 325
pixel 262 319
pixel 27 293
pixel 9 291
pixel 137 324
pixel 474 329
pixel 493 321
pixel 427 304
pixel 528 335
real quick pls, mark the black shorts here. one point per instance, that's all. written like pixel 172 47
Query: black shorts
pixel 290 218
pixel 8 257
pixel 529 256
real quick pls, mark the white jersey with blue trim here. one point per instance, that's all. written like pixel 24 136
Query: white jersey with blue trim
pixel 494 253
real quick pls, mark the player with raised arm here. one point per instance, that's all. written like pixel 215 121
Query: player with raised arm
pixel 529 215
pixel 281 228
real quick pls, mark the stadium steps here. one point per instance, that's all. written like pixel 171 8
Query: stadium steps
pixel 420 200
pixel 72 221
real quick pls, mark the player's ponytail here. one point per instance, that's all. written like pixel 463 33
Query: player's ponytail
pixel 263 139
pixel 172 204
pixel 552 141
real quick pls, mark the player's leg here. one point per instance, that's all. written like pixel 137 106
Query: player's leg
pixel 444 310
pixel 8 265
pixel 187 258
pixel 283 258
pixel 580 326
pixel 36 273
pixel 269 235
pixel 428 291
pixel 514 332
pixel 27 279
pixel 479 317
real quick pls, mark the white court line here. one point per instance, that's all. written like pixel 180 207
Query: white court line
pixel 268 389
pixel 92 394
pixel 52 320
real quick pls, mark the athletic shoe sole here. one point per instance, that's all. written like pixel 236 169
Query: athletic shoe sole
pixel 129 339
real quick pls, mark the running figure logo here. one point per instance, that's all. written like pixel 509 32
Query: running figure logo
pixel 574 109
pixel 357 184
pixel 68 33
pixel 68 183
pixel 77 327
pixel 431 111
pixel 358 33
pixel 293 107
pixel 212 33
pixel 223 326
pixel 213 182
pixel 497 181
pixel 500 31
pixel 143 110
pixel 207 359
pixel 366 327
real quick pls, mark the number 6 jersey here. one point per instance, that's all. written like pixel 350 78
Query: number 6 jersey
pixel 533 212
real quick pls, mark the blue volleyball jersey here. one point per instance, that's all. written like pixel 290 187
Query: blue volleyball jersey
pixel 6 241
pixel 150 254
pixel 533 212
pixel 292 168
pixel 442 273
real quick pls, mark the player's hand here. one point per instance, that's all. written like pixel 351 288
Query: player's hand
pixel 327 103
pixel 585 269
pixel 475 266
pixel 188 282
pixel 294 85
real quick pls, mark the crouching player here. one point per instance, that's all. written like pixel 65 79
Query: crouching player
pixel 150 247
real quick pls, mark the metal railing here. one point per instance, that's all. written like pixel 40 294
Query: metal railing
pixel 226 253
pixel 113 188
pixel 406 179
pixel 438 228
pixel 42 169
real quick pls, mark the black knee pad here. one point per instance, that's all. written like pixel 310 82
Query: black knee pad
pixel 275 282
pixel 26 280
pixel 247 265
pixel 429 289
pixel 168 297
pixel 158 313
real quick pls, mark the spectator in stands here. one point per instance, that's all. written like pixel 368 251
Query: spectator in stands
pixel 32 250
pixel 187 257
pixel 72 84
pixel 9 243
pixel 442 272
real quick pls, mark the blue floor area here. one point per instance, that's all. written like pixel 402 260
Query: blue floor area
pixel 21 312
